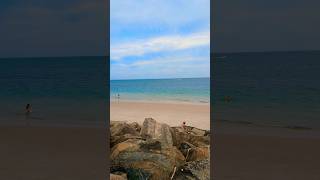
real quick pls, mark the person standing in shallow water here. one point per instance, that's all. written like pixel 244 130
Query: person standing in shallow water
pixel 28 112
pixel 28 109
pixel 118 97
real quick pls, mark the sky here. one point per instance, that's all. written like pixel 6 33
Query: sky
pixel 33 28
pixel 272 25
pixel 152 39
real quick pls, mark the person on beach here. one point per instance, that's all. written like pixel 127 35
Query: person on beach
pixel 118 97
pixel 28 112
pixel 184 125
pixel 28 109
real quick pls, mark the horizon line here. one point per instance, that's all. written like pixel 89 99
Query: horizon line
pixel 211 52
pixel 269 51
pixel 39 57
pixel 159 78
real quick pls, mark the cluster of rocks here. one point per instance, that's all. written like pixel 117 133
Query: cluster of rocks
pixel 157 151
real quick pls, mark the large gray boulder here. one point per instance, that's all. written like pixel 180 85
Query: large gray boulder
pixel 151 129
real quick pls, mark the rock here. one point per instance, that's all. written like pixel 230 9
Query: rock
pixel 196 138
pixel 130 145
pixel 118 128
pixel 192 130
pixel 151 129
pixel 118 177
pixel 151 145
pixel 121 131
pixel 156 151
pixel 193 153
pixel 185 148
pixel 136 126
pixel 145 160
pixel 195 170
pixel 198 153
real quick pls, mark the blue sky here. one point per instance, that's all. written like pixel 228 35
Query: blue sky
pixel 159 39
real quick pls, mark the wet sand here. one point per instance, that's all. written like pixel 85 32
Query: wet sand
pixel 250 153
pixel 33 153
pixel 173 114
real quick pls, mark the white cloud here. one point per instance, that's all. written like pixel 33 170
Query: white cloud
pixel 159 44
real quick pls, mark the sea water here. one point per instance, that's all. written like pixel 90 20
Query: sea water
pixel 279 89
pixel 62 91
pixel 181 90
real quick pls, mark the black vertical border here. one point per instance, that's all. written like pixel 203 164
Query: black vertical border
pixel 107 80
pixel 212 140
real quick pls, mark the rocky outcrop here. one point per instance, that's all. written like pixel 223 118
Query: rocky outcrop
pixel 192 135
pixel 121 131
pixel 157 151
pixel 151 129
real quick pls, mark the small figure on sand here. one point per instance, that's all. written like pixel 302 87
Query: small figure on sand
pixel 183 124
pixel 184 127
pixel 118 97
pixel 28 109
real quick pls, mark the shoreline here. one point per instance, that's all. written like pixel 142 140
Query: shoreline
pixel 161 101
pixel 173 114
pixel 227 128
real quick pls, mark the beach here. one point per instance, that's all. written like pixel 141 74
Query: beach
pixel 171 113
pixel 52 153
pixel 249 153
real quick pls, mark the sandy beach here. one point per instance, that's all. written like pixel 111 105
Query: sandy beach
pixel 250 153
pixel 171 113
pixel 32 153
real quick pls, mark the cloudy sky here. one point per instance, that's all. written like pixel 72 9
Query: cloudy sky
pixel 159 39
pixel 30 28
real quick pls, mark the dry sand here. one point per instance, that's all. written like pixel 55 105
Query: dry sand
pixel 251 153
pixel 33 153
pixel 173 114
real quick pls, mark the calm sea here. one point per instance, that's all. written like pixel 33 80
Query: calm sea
pixel 192 90
pixel 62 91
pixel 274 89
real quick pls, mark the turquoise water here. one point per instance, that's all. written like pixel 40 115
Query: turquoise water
pixel 65 91
pixel 181 90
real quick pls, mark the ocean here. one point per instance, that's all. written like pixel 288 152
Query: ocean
pixel 68 91
pixel 183 90
pixel 278 89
